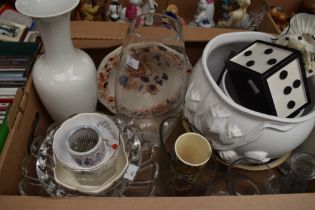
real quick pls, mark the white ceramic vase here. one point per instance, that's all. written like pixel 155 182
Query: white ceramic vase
pixel 64 77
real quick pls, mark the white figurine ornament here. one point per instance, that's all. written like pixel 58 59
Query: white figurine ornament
pixel 149 7
pixel 205 12
pixel 131 11
pixel 236 17
pixel 300 34
pixel 114 9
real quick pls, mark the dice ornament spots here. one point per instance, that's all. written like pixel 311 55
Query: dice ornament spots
pixel 248 53
pixel 283 74
pixel 250 63
pixel 268 51
pixel 297 83
pixel 272 61
pixel 277 76
pixel 287 90
pixel 291 104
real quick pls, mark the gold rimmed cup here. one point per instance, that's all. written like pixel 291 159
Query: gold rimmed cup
pixel 192 152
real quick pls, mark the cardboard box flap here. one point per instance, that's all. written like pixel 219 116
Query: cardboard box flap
pixel 199 34
pixel 31 120
pixel 266 202
pixel 98 30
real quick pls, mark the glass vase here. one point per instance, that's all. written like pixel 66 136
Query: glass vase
pixel 151 77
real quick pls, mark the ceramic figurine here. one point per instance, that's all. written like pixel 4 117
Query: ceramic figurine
pixel 89 10
pixel 269 78
pixel 225 10
pixel 205 12
pixel 236 16
pixel 113 12
pixel 131 11
pixel 279 16
pixel 149 7
pixel 300 34
pixel 172 11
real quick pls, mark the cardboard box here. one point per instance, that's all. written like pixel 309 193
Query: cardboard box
pixel 30 119
pixel 15 150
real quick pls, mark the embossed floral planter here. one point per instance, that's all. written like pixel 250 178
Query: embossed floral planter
pixel 234 130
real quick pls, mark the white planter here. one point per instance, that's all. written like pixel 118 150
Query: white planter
pixel 64 77
pixel 233 130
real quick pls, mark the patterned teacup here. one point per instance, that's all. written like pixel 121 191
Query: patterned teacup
pixel 86 146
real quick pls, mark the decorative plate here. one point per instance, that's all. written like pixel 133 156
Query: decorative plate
pixel 106 74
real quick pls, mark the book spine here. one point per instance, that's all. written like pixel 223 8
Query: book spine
pixel 7 99
pixel 4 131
pixel 4 106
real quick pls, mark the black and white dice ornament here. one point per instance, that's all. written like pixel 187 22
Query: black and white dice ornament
pixel 270 79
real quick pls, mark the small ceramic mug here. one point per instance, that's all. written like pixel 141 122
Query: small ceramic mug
pixel 86 146
pixel 191 153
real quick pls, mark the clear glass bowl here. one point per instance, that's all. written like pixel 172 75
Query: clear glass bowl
pixel 39 177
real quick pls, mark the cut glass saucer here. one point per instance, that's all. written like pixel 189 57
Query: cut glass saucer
pixel 140 159
pixel 65 178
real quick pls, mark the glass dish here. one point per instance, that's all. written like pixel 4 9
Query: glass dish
pixel 41 161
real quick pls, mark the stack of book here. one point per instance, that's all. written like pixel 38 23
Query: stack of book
pixel 4 130
pixel 14 70
pixel 16 60
pixel 19 46
pixel 7 96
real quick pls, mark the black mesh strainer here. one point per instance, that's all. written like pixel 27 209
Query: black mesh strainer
pixel 83 139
